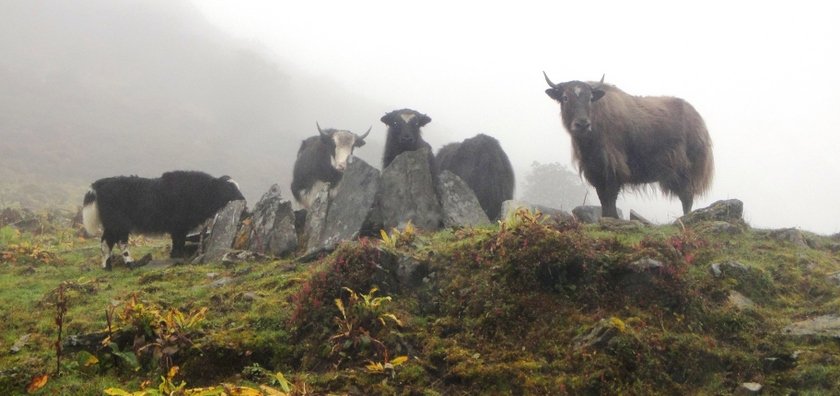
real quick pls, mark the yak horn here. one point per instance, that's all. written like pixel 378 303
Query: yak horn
pixel 366 133
pixel 319 129
pixel 551 84
pixel 600 83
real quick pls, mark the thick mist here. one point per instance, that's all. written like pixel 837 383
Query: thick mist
pixel 98 88
pixel 762 75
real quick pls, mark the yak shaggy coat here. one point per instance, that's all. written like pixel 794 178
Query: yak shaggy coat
pixel 482 163
pixel 174 203
pixel 620 139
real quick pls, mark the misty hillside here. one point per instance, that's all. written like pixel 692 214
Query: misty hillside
pixel 99 88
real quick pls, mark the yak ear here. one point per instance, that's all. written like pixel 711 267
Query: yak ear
pixel 597 94
pixel 326 138
pixel 424 119
pixel 386 119
pixel 555 93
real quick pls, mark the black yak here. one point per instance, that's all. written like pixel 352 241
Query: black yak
pixel 404 134
pixel 322 159
pixel 174 203
pixel 619 139
pixel 484 166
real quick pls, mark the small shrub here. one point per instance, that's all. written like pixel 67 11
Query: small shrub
pixel 398 239
pixel 361 325
pixel 160 335
pixel 352 265
pixel 28 253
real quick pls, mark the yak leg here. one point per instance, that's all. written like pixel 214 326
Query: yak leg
pixel 106 246
pixel 687 200
pixel 109 239
pixel 179 241
pixel 126 255
pixel 608 195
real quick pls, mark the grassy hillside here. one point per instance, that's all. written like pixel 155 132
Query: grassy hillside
pixel 521 307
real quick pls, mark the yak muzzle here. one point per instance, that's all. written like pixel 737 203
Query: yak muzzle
pixel 581 125
pixel 407 140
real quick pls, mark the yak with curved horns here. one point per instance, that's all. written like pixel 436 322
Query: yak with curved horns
pixel 619 139
pixel 322 159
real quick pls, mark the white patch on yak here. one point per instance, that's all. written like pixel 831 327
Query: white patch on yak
pixel 90 218
pixel 407 116
pixel 577 91
pixel 126 255
pixel 234 183
pixel 106 253
pixel 344 141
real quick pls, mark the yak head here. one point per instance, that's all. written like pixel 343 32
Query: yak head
pixel 575 98
pixel 341 144
pixel 404 128
pixel 226 190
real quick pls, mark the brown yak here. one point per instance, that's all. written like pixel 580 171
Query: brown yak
pixel 622 139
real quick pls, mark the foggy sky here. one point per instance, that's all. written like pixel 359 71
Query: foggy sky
pixel 764 76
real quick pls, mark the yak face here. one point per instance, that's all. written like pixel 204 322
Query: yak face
pixel 575 98
pixel 404 128
pixel 227 190
pixel 341 144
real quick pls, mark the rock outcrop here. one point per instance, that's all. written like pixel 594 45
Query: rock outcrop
pixel 821 326
pixel 730 211
pixel 272 225
pixel 347 212
pixel 408 193
pixel 316 216
pixel 222 231
pixel 590 214
pixel 458 202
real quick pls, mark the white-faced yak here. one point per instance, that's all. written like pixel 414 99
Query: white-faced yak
pixel 322 159
pixel 174 203
pixel 619 139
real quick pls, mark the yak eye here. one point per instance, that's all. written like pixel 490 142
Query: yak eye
pixel 564 98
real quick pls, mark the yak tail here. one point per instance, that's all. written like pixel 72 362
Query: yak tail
pixel 90 213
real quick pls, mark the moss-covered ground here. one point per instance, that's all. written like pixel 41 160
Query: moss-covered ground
pixel 520 307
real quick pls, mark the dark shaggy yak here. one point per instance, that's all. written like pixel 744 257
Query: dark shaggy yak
pixel 322 159
pixel 620 139
pixel 484 166
pixel 174 203
pixel 404 134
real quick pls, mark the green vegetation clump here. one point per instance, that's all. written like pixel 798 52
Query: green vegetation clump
pixel 527 306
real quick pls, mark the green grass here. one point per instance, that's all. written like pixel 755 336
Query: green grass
pixel 502 312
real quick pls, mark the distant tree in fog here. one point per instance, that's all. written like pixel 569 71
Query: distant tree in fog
pixel 554 185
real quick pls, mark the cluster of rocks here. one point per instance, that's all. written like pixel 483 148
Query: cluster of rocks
pixel 367 200
pixel 720 217
pixel 364 202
